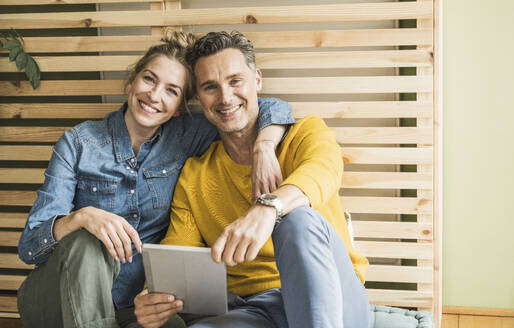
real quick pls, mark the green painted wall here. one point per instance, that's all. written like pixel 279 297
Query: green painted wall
pixel 478 153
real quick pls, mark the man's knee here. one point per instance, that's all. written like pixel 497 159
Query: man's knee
pixel 302 222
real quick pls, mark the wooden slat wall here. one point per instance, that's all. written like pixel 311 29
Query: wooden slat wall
pixel 338 60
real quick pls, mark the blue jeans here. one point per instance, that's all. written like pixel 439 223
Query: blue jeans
pixel 320 288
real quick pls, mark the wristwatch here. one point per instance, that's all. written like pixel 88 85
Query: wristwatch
pixel 271 200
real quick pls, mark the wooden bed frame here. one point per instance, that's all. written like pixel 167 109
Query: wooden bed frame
pixel 370 69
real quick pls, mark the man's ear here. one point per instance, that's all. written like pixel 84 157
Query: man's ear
pixel 258 79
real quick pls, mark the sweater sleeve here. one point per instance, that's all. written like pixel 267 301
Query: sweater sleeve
pixel 317 164
pixel 183 229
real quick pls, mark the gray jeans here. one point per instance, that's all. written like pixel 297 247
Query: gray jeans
pixel 73 288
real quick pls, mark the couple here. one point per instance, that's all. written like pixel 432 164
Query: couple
pixel 109 185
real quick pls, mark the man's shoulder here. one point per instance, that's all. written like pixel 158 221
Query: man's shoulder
pixel 308 124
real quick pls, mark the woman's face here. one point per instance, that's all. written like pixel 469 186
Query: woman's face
pixel 155 95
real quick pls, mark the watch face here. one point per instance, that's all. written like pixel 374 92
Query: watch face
pixel 268 197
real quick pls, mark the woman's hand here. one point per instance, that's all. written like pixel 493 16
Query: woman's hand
pixel 154 310
pixel 266 173
pixel 112 230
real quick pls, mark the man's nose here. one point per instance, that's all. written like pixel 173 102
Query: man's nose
pixel 226 95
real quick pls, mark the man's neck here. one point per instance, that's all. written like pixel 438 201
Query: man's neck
pixel 239 145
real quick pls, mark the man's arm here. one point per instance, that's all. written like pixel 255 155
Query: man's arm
pixel 316 177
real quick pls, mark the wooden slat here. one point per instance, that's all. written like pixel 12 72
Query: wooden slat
pixel 362 109
pixel 25 153
pixel 63 2
pixel 387 205
pixel 8 303
pixel 260 40
pixel 209 16
pixel 9 282
pixel 360 135
pixel 347 109
pixel 366 180
pixel 396 273
pixel 383 135
pixel 12 261
pixel 35 134
pixel 17 198
pixel 12 315
pixel 395 250
pixel 285 85
pixel 386 155
pixel 384 180
pixel 405 230
pixel 288 60
pixel 9 238
pixel 57 110
pixel 12 220
pixel 399 298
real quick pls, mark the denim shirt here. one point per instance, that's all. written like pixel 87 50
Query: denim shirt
pixel 93 164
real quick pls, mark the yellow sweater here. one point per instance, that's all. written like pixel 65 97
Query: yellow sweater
pixel 213 191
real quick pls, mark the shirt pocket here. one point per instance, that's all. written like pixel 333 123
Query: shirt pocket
pixel 96 192
pixel 161 180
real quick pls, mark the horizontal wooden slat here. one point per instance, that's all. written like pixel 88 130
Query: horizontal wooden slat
pixel 260 40
pixel 289 60
pixel 400 298
pixel 395 250
pixel 360 135
pixel 383 135
pixel 9 238
pixel 35 134
pixel 396 273
pixel 17 198
pixel 57 110
pixel 12 261
pixel 374 180
pixel 387 155
pixel 347 109
pixel 362 109
pixel 387 205
pixel 63 2
pixel 12 220
pixel 14 315
pixel 405 230
pixel 351 155
pixel 8 303
pixel 238 15
pixel 10 282
pixel 299 85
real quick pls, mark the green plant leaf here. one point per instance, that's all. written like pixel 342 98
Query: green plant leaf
pixel 14 53
pixel 21 60
pixel 11 44
pixel 33 73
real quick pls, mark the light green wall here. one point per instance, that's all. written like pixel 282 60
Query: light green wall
pixel 478 153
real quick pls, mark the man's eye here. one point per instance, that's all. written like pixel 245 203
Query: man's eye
pixel 235 81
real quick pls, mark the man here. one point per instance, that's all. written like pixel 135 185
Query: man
pixel 307 274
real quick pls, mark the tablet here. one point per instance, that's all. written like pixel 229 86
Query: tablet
pixel 190 274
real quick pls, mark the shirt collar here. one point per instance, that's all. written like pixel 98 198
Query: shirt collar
pixel 120 136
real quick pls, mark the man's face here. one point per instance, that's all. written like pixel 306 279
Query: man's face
pixel 227 89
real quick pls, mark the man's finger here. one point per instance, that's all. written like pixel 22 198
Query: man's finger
pixel 231 245
pixel 218 247
pixel 241 250
pixel 252 251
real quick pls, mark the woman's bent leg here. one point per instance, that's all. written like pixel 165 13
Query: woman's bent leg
pixel 73 288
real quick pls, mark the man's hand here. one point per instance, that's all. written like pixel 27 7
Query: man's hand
pixel 266 173
pixel 154 310
pixel 112 230
pixel 242 240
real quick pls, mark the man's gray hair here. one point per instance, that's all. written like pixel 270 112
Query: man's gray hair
pixel 214 42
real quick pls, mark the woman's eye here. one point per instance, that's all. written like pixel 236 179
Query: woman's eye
pixel 172 91
pixel 148 78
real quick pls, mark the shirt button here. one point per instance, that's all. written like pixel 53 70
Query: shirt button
pixel 128 167
pixel 30 253
pixel 132 172
pixel 163 171
pixel 134 216
pixel 132 160
pixel 94 189
pixel 45 241
pixel 132 191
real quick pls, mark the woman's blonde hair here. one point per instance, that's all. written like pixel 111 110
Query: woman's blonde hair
pixel 174 45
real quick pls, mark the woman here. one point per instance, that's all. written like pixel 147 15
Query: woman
pixel 108 189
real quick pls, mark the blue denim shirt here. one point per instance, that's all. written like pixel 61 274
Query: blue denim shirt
pixel 93 164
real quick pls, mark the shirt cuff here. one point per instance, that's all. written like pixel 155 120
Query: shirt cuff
pixel 46 235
